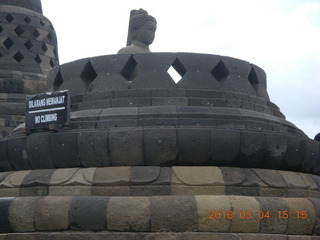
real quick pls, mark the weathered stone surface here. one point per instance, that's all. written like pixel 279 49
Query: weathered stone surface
pixel 213 213
pixel 173 213
pixel 190 139
pixel 233 176
pixel 160 145
pixel 88 213
pixel 65 148
pixel 16 150
pixel 52 214
pixel 126 147
pixel 71 236
pixel 252 149
pixel 209 236
pixel 93 143
pixel 271 177
pixel 295 152
pixel 197 176
pixel 276 149
pixel 252 236
pixel 4 162
pixel 225 139
pixel 270 221
pixel 36 183
pixel 316 204
pixel 245 210
pixel 112 176
pixel 28 236
pixel 112 181
pixel 153 71
pixel 21 214
pixel 128 214
pixel 144 175
pixel 38 151
pixel 4 219
pixel 302 216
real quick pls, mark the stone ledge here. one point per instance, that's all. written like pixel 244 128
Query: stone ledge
pixel 153 180
pixel 232 214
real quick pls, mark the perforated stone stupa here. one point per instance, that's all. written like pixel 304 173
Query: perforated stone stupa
pixel 147 157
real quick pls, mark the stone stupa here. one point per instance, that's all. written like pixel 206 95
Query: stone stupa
pixel 145 157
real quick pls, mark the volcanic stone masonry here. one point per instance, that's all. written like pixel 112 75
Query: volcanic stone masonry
pixel 148 158
pixel 28 51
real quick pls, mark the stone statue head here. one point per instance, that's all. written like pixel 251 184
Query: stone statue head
pixel 142 27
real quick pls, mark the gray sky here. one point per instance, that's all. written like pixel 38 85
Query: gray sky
pixel 280 36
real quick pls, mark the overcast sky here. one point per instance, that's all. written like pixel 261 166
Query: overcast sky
pixel 280 36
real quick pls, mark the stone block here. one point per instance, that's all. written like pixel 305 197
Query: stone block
pixel 70 236
pixel 70 190
pixel 119 113
pixel 63 175
pixel 28 236
pixel 131 102
pixel 158 122
pixel 252 236
pixel 21 214
pixel 113 71
pixel 293 180
pixel 133 93
pixel 128 214
pixel 117 123
pixel 149 190
pixel 126 147
pixel 160 92
pixel 64 149
pixel 312 156
pixel 38 151
pixel 160 145
pixel 316 204
pixel 93 148
pixel 302 216
pixel 4 219
pixel 110 191
pixel 112 176
pixel 197 190
pixel 152 71
pixel 169 101
pixel 16 150
pixel 276 147
pixel 209 236
pixel 190 139
pixel 233 176
pixel 213 213
pixel 271 178
pixel 233 82
pixel 197 176
pixel 174 213
pixel 88 213
pixel 270 221
pixel 116 236
pixel 295 152
pixel 308 180
pixel 225 145
pixel 198 73
pixel 97 105
pixel 245 211
pixel 144 175
pixel 77 76
pixel 37 178
pixel 4 161
pixel 252 149
pixel 52 214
